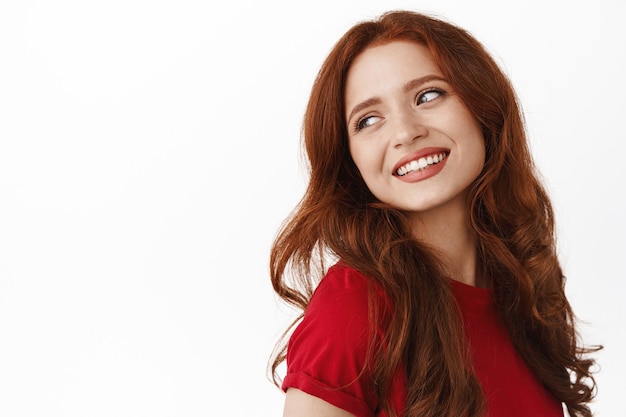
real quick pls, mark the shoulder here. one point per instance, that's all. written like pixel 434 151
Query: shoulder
pixel 342 288
pixel 344 319
pixel 328 351
pixel 346 297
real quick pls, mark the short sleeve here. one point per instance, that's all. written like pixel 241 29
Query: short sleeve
pixel 327 352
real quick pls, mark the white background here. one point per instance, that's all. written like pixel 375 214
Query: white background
pixel 149 150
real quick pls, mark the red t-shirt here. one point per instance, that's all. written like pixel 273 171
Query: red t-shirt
pixel 328 349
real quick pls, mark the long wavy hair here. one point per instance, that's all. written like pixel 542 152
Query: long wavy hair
pixel 510 215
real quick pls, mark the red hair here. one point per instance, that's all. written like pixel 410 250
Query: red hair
pixel 509 213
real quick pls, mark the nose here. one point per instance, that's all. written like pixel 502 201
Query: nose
pixel 407 128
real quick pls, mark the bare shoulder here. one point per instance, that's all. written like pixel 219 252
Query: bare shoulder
pixel 300 404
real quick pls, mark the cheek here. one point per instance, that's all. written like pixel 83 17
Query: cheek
pixel 362 159
pixel 479 159
pixel 368 157
pixel 356 152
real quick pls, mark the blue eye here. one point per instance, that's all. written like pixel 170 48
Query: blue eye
pixel 366 121
pixel 428 95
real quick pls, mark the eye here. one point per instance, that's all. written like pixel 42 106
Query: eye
pixel 428 95
pixel 366 121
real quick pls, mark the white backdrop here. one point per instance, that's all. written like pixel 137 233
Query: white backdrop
pixel 149 150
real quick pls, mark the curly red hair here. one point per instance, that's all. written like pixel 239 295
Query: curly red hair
pixel 509 213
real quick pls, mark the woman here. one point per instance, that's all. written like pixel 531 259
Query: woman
pixel 446 297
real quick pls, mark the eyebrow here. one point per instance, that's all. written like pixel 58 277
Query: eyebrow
pixel 408 86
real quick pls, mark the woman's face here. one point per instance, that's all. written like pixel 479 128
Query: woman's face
pixel 414 141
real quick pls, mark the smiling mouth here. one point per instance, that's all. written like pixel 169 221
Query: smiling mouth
pixel 421 163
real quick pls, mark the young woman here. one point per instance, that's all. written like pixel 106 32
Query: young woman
pixel 423 253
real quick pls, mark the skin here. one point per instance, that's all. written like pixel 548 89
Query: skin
pixel 399 107
pixel 300 404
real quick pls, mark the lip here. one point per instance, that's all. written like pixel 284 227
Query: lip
pixel 421 174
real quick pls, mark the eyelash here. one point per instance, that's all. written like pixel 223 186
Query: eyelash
pixel 358 125
pixel 429 90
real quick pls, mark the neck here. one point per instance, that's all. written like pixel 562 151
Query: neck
pixel 445 229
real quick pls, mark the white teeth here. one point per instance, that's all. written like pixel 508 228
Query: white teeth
pixel 421 163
